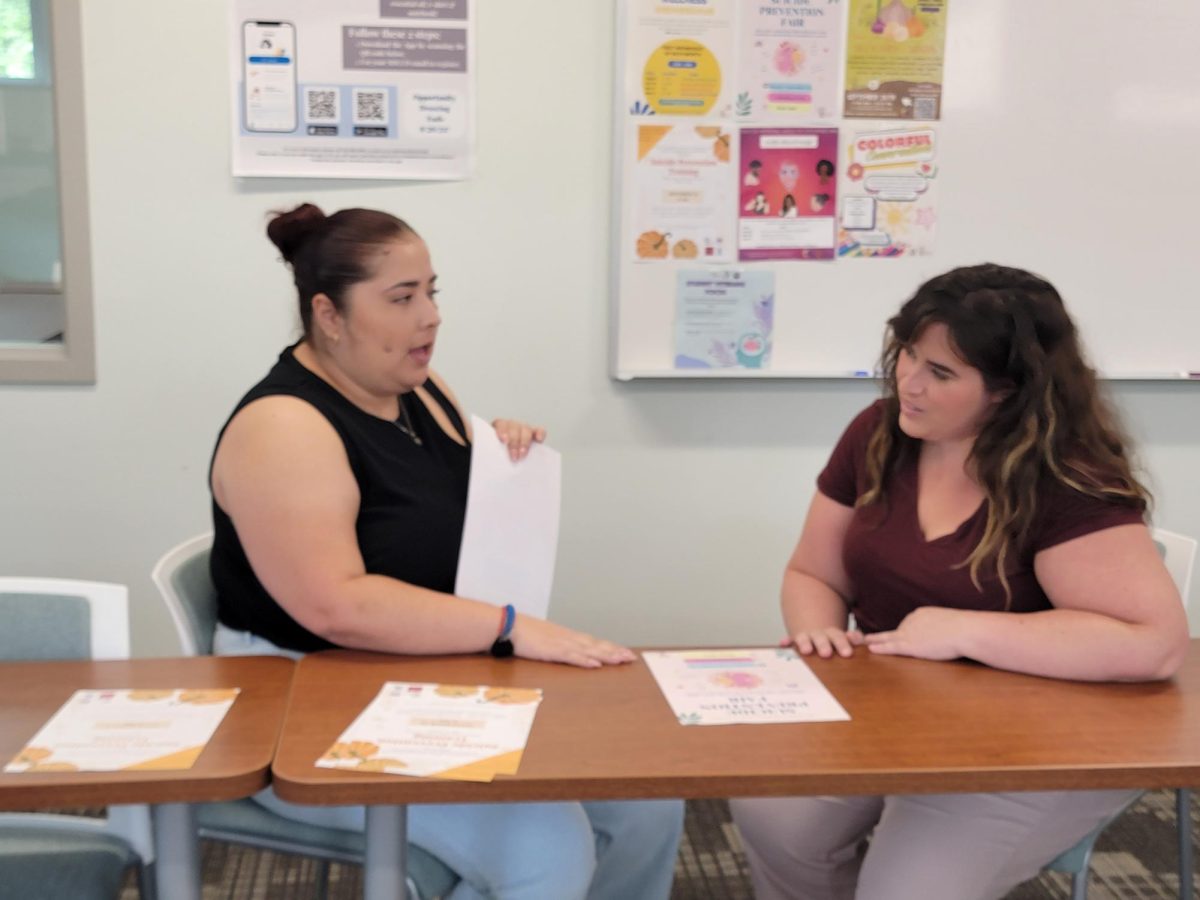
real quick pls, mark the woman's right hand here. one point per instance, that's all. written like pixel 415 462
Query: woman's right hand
pixel 538 639
pixel 825 642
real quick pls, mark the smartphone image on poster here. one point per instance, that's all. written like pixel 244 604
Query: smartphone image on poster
pixel 269 76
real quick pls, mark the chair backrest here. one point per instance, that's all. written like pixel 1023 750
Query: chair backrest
pixel 60 618
pixel 1179 555
pixel 186 587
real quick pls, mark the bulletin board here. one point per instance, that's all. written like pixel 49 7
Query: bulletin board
pixel 1062 138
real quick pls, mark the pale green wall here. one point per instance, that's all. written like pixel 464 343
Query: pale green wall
pixel 682 500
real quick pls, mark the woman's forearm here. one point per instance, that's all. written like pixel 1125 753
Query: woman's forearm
pixel 373 612
pixel 809 604
pixel 1074 644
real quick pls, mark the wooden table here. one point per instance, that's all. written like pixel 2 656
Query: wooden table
pixel 916 727
pixel 235 764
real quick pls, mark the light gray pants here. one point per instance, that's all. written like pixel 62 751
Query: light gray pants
pixel 922 847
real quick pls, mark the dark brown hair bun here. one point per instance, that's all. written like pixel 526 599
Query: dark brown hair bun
pixel 289 230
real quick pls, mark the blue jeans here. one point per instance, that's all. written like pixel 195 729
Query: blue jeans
pixel 615 850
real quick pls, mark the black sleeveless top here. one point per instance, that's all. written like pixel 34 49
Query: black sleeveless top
pixel 410 518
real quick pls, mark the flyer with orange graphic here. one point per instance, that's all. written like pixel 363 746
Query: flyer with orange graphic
pixel 735 687
pixel 685 194
pixel 457 731
pixel 126 730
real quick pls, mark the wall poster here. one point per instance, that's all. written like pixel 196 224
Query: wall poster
pixel 358 89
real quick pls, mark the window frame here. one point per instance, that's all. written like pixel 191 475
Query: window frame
pixel 72 360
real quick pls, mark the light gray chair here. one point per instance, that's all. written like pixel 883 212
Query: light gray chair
pixel 50 863
pixel 182 578
pixel 1179 556
pixel 50 855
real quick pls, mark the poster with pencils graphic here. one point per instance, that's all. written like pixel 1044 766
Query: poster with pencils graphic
pixel 888 204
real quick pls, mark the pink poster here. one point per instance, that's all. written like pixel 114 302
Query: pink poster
pixel 787 193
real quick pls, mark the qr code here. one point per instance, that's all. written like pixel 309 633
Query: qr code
pixel 370 107
pixel 321 104
pixel 925 107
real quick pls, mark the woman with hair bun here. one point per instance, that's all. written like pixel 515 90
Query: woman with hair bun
pixel 985 508
pixel 339 490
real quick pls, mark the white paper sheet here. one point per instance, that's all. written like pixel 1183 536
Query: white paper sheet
pixel 730 687
pixel 510 537
pixel 462 732
pixel 114 730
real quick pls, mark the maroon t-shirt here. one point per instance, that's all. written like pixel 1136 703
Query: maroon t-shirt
pixel 893 569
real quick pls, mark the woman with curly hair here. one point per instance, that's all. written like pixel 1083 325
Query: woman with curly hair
pixel 985 508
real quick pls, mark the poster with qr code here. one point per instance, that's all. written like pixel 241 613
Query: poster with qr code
pixel 894 56
pixel 360 89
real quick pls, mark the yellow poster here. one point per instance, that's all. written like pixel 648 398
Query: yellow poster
pixel 679 58
pixel 895 51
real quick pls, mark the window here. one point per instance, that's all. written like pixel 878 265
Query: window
pixel 45 269
pixel 16 40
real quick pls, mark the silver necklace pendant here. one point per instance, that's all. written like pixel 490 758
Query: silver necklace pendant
pixel 404 423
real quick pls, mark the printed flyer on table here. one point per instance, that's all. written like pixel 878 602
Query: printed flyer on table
pixel 729 687
pixel 456 731
pixel 115 730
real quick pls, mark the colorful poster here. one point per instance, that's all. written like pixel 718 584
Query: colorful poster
pixel 888 203
pixel 358 89
pixel 894 55
pixel 789 53
pixel 723 319
pixel 741 687
pixel 787 193
pixel 463 732
pixel 679 58
pixel 684 194
pixel 126 730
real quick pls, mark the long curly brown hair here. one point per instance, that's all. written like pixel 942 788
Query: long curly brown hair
pixel 1052 422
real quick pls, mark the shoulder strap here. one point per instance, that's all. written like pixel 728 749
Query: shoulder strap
pixel 447 407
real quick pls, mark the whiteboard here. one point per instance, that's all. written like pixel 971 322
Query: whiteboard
pixel 1068 138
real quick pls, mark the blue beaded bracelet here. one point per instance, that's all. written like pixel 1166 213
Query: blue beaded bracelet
pixel 502 647
pixel 506 626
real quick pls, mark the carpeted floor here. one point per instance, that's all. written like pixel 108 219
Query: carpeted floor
pixel 1135 858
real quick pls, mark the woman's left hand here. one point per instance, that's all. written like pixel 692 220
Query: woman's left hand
pixel 518 436
pixel 931 632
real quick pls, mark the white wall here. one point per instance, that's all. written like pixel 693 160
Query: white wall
pixel 682 500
